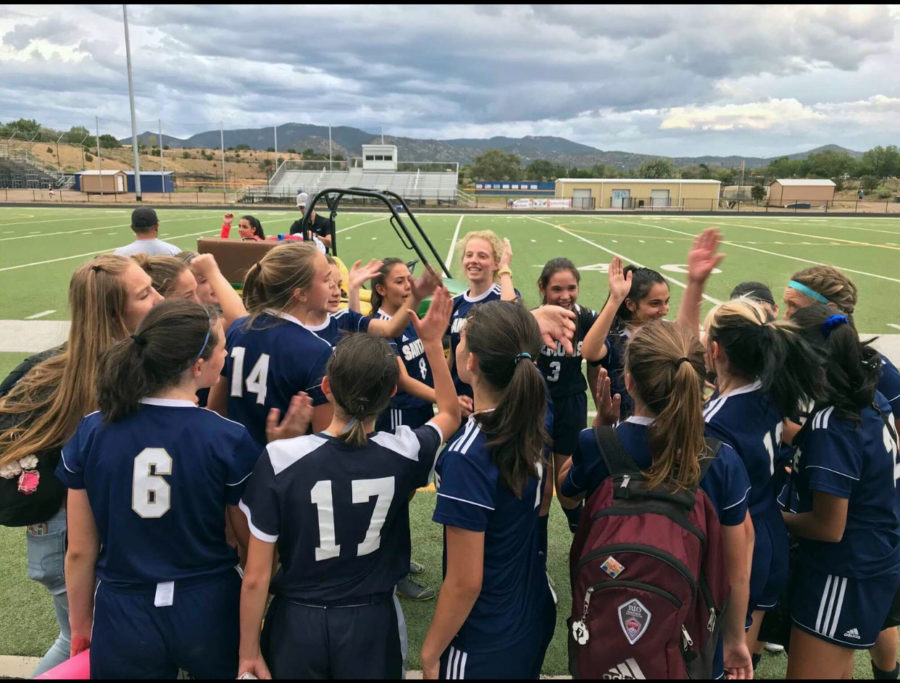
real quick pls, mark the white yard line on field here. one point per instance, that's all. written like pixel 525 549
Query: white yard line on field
pixel 40 315
pixel 761 251
pixel 453 243
pixel 624 258
pixel 99 251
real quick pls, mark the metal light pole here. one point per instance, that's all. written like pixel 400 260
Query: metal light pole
pixel 58 163
pixel 99 157
pixel 134 145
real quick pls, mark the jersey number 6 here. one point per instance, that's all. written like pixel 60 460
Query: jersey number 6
pixel 150 493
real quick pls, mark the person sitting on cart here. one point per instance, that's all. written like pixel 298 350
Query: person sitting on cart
pixel 320 226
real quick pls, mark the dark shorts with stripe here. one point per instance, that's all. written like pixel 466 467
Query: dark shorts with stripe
pixel 518 660
pixel 769 572
pixel 569 418
pixel 357 640
pixel 199 632
pixel 843 610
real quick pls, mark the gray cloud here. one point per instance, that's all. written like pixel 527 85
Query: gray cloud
pixel 601 75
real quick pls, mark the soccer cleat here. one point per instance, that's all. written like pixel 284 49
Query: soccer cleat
pixel 416 568
pixel 411 590
pixel 774 647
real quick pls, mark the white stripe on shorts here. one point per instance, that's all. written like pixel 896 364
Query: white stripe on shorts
pixel 830 605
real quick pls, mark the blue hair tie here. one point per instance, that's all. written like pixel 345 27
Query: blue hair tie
pixel 808 291
pixel 520 356
pixel 832 322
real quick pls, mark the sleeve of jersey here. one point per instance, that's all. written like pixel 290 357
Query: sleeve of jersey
pixel 240 466
pixel 430 439
pixel 70 470
pixel 832 464
pixel 259 502
pixel 360 321
pixel 466 496
pixel 889 385
pixel 728 486
pixel 585 464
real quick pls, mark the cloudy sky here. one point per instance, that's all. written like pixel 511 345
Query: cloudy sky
pixel 679 80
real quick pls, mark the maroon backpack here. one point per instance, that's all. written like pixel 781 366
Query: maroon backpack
pixel 648 578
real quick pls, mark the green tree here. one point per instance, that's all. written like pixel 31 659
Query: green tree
pixel 725 176
pixel 868 183
pixel 270 149
pixel 24 128
pixel 242 147
pixel 656 168
pixel 495 164
pixel 758 192
pixel 109 142
pixel 829 164
pixel 783 168
pixel 881 162
pixel 543 170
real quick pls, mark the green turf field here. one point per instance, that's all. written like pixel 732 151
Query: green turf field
pixel 40 247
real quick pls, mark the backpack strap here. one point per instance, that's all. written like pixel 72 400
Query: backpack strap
pixel 613 453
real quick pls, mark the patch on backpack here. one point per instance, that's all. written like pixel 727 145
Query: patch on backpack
pixel 612 567
pixel 634 619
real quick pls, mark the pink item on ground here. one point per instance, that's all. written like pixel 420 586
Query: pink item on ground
pixel 76 668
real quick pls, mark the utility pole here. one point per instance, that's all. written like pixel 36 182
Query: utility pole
pixel 222 141
pixel 99 157
pixel 58 162
pixel 161 169
pixel 275 131
pixel 134 145
pixel 330 167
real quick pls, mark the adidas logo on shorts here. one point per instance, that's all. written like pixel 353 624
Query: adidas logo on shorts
pixel 852 633
pixel 627 670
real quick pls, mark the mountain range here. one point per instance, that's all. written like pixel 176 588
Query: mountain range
pixel 348 142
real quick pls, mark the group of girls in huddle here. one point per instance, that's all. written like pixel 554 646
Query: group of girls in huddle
pixel 322 437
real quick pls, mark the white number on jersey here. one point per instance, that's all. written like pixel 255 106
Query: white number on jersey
pixel 540 486
pixel 423 369
pixel 555 366
pixel 256 380
pixel 362 492
pixel 771 444
pixel 150 493
pixel 890 445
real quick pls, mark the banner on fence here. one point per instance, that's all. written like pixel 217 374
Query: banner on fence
pixel 540 203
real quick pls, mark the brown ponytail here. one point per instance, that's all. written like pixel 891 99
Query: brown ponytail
pixel 667 367
pixel 271 281
pixel 363 374
pixel 504 337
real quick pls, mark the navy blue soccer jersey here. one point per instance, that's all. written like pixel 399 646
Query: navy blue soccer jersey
pixel 614 363
pixel 268 362
pixel 514 584
pixel 859 463
pixel 562 371
pixel 340 324
pixel 339 513
pixel 462 304
pixel 411 351
pixel 748 420
pixel 158 482
pixel 725 483
pixel 889 384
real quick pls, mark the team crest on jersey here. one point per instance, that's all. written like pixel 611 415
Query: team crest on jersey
pixel 634 619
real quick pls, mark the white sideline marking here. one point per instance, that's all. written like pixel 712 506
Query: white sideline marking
pixel 40 315
pixel 770 253
pixel 359 225
pixel 87 231
pixel 624 258
pixel 449 258
pixel 893 325
pixel 99 251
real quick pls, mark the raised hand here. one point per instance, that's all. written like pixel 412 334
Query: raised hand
pixel 557 325
pixel 423 286
pixel 434 325
pixel 506 257
pixel 703 256
pixel 204 265
pixel 296 420
pixel 619 284
pixel 359 274
pixel 608 406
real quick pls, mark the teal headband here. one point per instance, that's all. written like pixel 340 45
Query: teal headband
pixel 811 293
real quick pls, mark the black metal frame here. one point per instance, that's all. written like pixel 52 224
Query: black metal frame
pixel 333 197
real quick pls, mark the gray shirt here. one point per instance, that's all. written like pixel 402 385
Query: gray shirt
pixel 154 247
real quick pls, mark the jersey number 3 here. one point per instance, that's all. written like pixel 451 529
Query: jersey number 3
pixel 362 490
pixel 150 493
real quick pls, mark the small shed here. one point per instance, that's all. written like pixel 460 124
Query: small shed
pixel 95 182
pixel 152 181
pixel 814 191
pixel 640 193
